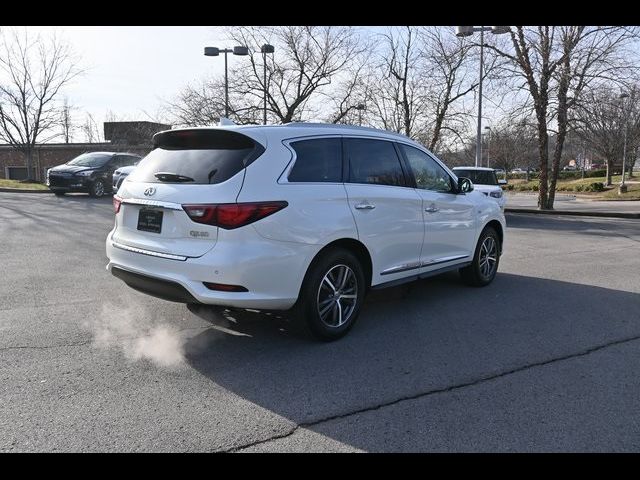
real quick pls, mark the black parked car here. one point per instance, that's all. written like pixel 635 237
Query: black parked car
pixel 89 172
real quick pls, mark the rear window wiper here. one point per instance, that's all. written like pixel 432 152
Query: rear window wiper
pixel 172 177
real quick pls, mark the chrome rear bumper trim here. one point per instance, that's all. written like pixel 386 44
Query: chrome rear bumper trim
pixel 148 252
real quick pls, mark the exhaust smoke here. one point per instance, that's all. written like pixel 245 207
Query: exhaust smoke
pixel 130 331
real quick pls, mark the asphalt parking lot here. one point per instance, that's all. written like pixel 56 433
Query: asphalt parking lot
pixel 544 359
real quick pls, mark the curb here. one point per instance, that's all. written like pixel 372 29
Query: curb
pixel 574 213
pixel 23 190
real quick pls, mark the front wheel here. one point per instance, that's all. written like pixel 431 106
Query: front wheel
pixel 97 189
pixel 331 295
pixel 485 262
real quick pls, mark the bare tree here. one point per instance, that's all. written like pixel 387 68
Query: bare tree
pixel 600 120
pixel 558 64
pixel 307 60
pixel 420 82
pixel 198 105
pixel 66 120
pixel 447 79
pixel 397 102
pixel 91 131
pixel 34 72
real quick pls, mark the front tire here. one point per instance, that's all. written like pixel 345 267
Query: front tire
pixel 485 262
pixel 331 295
pixel 97 189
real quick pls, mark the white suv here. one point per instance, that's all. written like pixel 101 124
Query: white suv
pixel 299 216
pixel 484 180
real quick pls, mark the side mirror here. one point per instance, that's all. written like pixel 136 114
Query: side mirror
pixel 502 181
pixel 464 185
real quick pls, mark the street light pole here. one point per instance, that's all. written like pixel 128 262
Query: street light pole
pixel 467 31
pixel 623 188
pixel 488 129
pixel 214 52
pixel 226 85
pixel 478 137
pixel 266 48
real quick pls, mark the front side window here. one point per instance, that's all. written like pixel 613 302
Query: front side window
pixel 373 161
pixel 428 174
pixel 317 160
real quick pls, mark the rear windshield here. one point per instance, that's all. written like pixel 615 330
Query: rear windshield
pixel 196 157
pixel 480 177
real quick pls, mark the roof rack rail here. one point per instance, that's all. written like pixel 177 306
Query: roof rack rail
pixel 341 125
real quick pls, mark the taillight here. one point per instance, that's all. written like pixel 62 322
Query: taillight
pixel 117 201
pixel 232 215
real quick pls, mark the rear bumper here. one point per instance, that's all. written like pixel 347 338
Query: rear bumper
pixel 156 287
pixel 271 271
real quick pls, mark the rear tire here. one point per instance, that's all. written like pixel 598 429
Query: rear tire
pixel 331 295
pixel 97 189
pixel 485 262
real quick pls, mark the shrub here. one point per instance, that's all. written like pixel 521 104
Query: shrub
pixel 594 173
pixel 595 187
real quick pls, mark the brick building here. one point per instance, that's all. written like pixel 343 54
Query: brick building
pixel 132 137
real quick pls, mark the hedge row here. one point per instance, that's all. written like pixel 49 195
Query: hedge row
pixel 535 186
pixel 562 175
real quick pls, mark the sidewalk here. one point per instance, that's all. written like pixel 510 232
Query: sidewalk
pixel 571 205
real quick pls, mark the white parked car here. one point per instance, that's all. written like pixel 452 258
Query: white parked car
pixel 485 181
pixel 299 216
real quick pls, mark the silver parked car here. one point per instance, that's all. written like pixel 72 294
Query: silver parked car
pixel 120 174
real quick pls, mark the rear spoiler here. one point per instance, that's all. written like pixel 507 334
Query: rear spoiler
pixel 203 139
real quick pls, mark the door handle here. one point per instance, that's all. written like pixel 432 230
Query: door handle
pixel 431 209
pixel 365 206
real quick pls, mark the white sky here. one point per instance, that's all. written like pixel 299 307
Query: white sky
pixel 131 69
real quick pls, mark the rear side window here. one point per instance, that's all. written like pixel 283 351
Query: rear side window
pixel 373 161
pixel 317 160
pixel 196 157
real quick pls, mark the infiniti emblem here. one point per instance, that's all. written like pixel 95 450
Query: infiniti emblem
pixel 149 191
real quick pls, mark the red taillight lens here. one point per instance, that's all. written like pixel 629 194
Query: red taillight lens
pixel 224 288
pixel 232 215
pixel 117 201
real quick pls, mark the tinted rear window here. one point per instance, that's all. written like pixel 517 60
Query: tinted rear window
pixel 196 157
pixel 317 160
pixel 373 161
pixel 481 177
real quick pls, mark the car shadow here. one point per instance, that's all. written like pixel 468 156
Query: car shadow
pixel 410 340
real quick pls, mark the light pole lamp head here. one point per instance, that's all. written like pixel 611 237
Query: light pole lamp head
pixel 211 51
pixel 241 50
pixel 266 48
pixel 500 30
pixel 464 31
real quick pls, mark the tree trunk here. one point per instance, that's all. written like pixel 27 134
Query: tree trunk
pixel 29 155
pixel 609 169
pixel 557 153
pixel 543 151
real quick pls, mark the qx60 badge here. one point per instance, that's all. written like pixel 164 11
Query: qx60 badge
pixel 149 191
